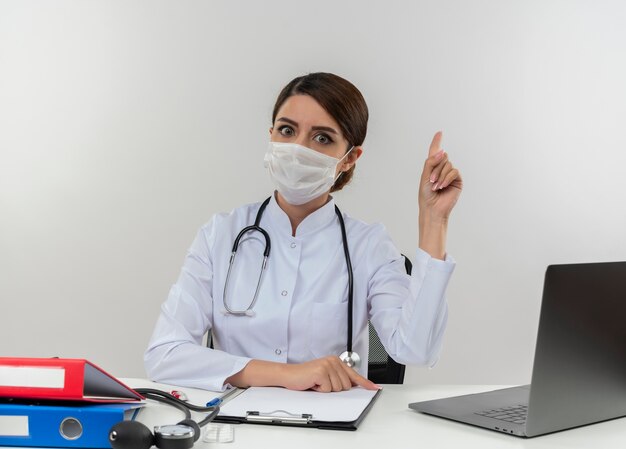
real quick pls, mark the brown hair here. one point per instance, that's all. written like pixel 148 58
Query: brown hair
pixel 341 99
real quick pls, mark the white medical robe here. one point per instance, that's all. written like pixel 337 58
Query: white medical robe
pixel 301 311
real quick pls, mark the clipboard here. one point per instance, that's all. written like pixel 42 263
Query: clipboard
pixel 343 410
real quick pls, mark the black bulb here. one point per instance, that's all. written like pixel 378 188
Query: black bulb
pixel 130 435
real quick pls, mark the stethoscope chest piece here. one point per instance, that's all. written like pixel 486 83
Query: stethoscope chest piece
pixel 351 359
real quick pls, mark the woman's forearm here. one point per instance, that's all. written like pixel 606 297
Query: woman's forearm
pixel 432 235
pixel 325 374
pixel 259 373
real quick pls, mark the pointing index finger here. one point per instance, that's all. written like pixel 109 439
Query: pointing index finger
pixel 357 379
pixel 435 145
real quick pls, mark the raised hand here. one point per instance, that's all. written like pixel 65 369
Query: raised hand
pixel 439 190
pixel 440 184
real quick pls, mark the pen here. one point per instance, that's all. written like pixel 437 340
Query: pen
pixel 219 399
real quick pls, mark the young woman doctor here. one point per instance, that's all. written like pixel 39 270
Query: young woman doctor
pixel 287 326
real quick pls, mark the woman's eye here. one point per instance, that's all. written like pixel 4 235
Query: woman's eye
pixel 323 139
pixel 286 131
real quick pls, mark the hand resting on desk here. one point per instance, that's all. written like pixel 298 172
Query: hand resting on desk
pixel 325 375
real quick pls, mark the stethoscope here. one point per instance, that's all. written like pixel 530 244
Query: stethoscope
pixel 348 357
pixel 135 435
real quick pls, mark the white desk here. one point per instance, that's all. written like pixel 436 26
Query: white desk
pixel 391 424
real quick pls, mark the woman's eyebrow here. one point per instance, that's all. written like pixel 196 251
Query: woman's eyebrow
pixel 288 120
pixel 314 128
pixel 324 128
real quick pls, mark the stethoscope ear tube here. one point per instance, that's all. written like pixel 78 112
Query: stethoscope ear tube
pixel 233 255
pixel 244 231
pixel 248 311
pixel 266 253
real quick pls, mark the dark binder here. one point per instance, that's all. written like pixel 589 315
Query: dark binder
pixel 278 406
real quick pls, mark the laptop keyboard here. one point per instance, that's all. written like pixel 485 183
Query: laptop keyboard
pixel 515 413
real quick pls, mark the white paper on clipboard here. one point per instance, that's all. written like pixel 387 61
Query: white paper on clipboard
pixel 341 406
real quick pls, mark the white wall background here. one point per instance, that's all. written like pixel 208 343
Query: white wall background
pixel 125 125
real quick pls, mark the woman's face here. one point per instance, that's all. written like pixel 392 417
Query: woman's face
pixel 302 120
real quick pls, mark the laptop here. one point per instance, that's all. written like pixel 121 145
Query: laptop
pixel 579 372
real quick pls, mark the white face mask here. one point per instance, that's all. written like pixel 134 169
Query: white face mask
pixel 300 173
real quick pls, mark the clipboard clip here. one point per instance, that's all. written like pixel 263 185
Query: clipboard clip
pixel 279 416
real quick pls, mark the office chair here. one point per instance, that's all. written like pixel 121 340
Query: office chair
pixel 381 369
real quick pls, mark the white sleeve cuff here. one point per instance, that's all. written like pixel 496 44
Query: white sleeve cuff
pixel 447 265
